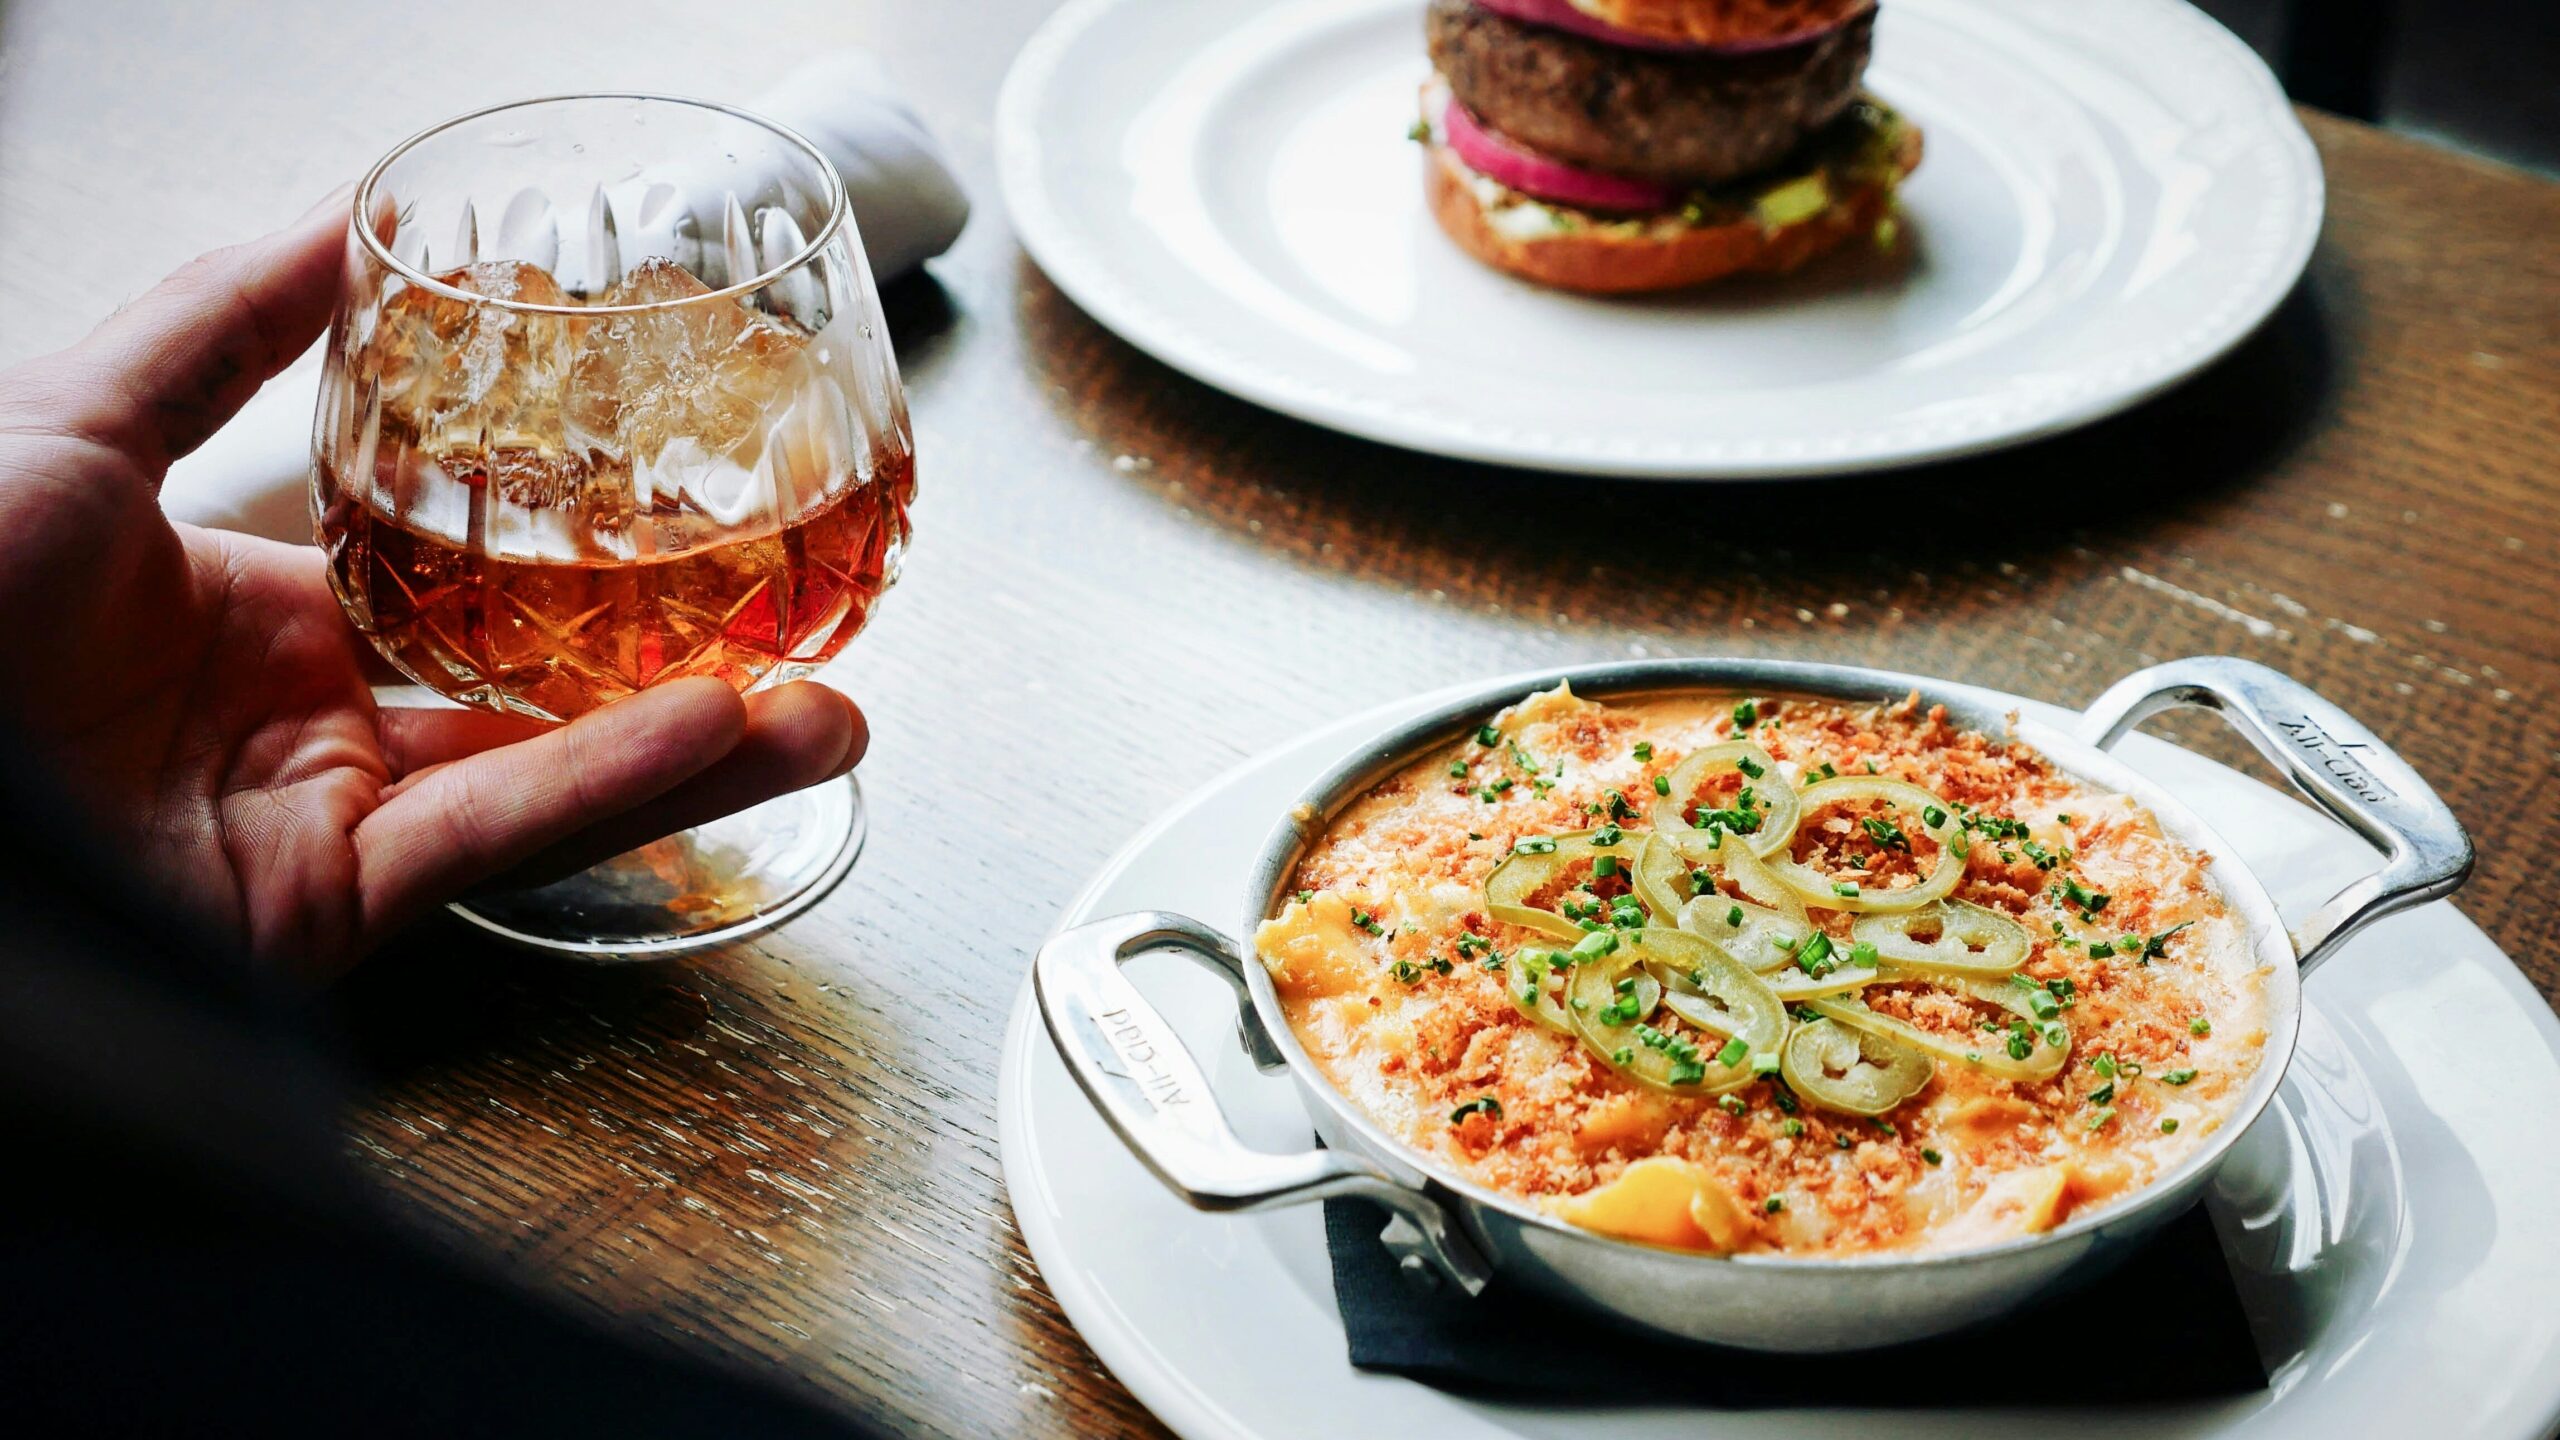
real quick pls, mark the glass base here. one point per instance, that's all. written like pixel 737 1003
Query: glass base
pixel 737 876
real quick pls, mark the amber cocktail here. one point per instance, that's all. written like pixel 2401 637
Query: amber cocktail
pixel 636 419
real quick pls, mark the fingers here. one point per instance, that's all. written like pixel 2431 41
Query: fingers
pixel 796 736
pixel 416 739
pixel 473 817
pixel 166 371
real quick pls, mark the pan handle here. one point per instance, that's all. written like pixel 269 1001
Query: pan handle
pixel 2329 757
pixel 1139 1075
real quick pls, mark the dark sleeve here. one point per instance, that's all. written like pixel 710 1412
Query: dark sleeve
pixel 185 1252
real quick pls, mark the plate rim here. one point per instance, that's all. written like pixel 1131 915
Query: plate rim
pixel 2094 393
pixel 1175 1399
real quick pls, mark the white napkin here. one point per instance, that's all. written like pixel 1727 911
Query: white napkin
pixel 254 475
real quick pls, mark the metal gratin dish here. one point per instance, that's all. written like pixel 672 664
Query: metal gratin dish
pixel 1449 1230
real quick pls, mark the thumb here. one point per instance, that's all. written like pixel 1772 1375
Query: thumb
pixel 160 375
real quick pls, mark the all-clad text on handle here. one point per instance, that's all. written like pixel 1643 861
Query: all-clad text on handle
pixel 2329 756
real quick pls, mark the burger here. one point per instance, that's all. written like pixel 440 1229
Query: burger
pixel 1622 146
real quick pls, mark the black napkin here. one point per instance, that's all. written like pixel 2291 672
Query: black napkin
pixel 2167 1324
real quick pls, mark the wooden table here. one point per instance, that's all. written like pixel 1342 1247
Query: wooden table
pixel 1125 583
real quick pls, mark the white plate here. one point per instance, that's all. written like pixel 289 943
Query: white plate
pixel 2115 194
pixel 2393 1220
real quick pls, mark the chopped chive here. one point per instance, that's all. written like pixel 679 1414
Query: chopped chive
pixel 2087 901
pixel 1774 1204
pixel 1458 769
pixel 1792 1128
pixel 1644 750
pixel 1488 735
pixel 2177 1077
pixel 1933 1157
pixel 2169 1126
pixel 1735 1051
pixel 1746 715
pixel 1732 1104
pixel 1733 917
pixel 2199 1026
pixel 1481 1105
pixel 1661 784
pixel 1845 889
pixel 1604 867
pixel 2157 947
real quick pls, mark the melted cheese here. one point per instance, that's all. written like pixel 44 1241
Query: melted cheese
pixel 1312 950
pixel 1661 1201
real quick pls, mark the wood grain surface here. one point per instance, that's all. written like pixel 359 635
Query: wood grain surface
pixel 1124 583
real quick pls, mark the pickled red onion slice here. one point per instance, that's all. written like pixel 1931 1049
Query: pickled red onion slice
pixel 1564 15
pixel 1499 160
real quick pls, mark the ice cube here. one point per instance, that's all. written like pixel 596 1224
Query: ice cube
pixel 710 373
pixel 473 398
pixel 455 374
pixel 592 484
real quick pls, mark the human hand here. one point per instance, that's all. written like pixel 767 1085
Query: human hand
pixel 205 697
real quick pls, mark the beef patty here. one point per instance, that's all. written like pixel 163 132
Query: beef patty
pixel 1676 118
